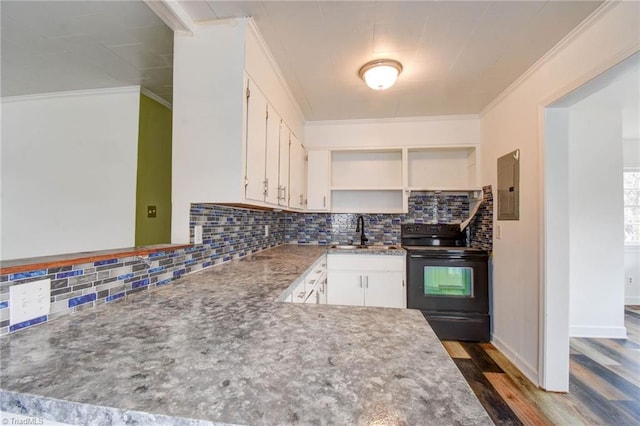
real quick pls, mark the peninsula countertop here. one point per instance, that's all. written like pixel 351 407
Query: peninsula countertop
pixel 217 347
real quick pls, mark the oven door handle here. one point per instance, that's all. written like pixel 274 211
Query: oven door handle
pixel 459 319
pixel 440 256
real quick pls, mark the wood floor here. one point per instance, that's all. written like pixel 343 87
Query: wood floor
pixel 604 383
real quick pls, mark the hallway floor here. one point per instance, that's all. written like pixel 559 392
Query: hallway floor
pixel 604 383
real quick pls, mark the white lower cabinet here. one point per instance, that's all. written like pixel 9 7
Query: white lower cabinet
pixel 366 280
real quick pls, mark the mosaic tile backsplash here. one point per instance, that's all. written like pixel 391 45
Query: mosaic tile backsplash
pixel 334 228
pixel 481 235
pixel 231 233
pixel 228 233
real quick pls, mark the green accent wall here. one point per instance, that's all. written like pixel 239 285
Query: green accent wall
pixel 154 173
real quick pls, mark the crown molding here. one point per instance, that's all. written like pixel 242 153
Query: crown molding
pixel 172 14
pixel 272 61
pixel 392 120
pixel 149 94
pixel 555 50
pixel 72 93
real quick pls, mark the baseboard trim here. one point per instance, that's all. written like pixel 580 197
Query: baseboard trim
pixel 525 368
pixel 599 332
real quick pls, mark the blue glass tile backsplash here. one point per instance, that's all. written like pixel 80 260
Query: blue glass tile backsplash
pixel 230 233
pixel 339 228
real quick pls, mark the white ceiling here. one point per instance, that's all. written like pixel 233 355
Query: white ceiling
pixel 457 56
pixel 55 46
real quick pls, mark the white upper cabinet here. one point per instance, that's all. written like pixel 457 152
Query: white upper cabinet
pixel 226 146
pixel 283 170
pixel 273 165
pixel 297 174
pixel 318 169
pixel 256 143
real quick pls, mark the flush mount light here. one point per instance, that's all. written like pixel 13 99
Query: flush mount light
pixel 380 74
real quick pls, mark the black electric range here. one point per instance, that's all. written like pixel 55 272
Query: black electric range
pixel 447 280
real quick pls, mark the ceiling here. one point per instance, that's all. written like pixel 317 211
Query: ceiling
pixel 457 56
pixel 56 46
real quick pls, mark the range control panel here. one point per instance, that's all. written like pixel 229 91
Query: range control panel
pixel 433 230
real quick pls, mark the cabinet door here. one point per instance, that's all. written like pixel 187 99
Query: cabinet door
pixel 384 289
pixel 272 156
pixel 283 172
pixel 297 171
pixel 256 135
pixel 318 180
pixel 345 288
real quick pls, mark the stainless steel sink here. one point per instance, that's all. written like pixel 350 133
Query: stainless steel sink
pixel 344 247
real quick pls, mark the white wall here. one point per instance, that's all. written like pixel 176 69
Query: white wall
pixel 417 131
pixel 207 119
pixel 69 172
pixel 515 120
pixel 596 256
pixel 631 151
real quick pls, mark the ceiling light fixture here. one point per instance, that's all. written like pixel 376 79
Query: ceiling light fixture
pixel 380 74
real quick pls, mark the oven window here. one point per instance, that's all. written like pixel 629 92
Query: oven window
pixel 448 281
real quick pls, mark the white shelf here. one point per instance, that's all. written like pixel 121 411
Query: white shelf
pixel 442 189
pixel 367 201
pixel 366 169
pixel 367 188
pixel 381 180
pixel 440 168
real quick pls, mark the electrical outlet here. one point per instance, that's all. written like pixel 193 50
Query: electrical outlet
pixel 197 234
pixel 266 230
pixel 152 211
pixel 29 301
pixel 498 232
pixel 629 280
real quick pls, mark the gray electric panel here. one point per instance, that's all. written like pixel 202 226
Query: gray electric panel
pixel 509 186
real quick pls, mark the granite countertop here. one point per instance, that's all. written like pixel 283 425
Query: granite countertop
pixel 372 249
pixel 217 347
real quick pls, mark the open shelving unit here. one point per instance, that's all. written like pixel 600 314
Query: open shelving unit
pixel 380 180
pixel 367 181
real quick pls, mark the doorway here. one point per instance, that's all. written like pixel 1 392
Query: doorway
pixel 583 216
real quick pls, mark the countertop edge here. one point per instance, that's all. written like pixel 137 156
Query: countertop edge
pixel 45 262
pixel 73 412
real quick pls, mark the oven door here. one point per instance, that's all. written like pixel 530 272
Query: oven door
pixel 443 282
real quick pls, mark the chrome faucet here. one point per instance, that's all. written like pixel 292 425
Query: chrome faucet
pixel 360 229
